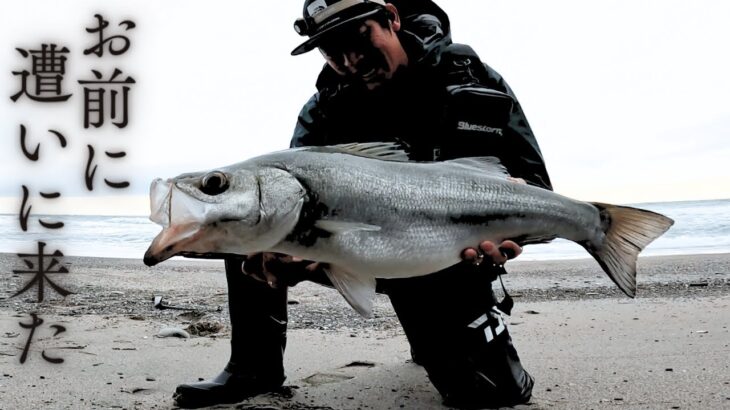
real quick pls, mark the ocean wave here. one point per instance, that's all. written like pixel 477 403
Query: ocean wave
pixel 700 227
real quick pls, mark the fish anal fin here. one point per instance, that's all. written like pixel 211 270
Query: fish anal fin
pixel 358 290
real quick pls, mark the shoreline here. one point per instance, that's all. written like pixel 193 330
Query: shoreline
pixel 180 259
pixel 587 344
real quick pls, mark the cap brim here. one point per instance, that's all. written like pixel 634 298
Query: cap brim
pixel 314 40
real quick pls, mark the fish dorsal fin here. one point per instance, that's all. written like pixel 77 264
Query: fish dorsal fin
pixel 388 151
pixel 489 165
pixel 358 290
pixel 342 226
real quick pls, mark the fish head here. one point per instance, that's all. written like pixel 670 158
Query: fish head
pixel 208 214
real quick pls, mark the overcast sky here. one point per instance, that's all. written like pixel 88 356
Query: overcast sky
pixel 628 99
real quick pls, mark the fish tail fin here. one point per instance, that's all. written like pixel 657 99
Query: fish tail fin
pixel 627 232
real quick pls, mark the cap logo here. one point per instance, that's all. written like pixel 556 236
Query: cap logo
pixel 316 6
pixel 320 15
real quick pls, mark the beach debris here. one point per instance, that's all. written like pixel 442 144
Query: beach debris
pixel 532 312
pixel 134 390
pixel 205 327
pixel 699 284
pixel 150 379
pixel 290 201
pixel 359 363
pixel 137 317
pixel 292 302
pixel 701 331
pixel 173 332
pixel 159 304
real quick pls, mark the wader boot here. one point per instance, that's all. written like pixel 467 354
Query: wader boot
pixel 258 337
pixel 458 335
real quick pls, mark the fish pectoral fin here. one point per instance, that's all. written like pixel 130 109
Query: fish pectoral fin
pixel 358 290
pixel 343 226
pixel 488 165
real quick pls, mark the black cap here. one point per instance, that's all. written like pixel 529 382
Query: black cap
pixel 324 16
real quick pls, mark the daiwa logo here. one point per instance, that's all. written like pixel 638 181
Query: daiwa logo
pixel 490 330
pixel 463 125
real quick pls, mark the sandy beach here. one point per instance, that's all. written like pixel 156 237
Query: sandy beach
pixel 587 345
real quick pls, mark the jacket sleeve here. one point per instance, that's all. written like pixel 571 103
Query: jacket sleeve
pixel 526 158
pixel 309 129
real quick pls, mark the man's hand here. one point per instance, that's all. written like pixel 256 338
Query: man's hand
pixel 277 269
pixel 491 254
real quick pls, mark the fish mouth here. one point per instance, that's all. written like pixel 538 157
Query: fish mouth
pixel 170 242
pixel 187 225
pixel 174 236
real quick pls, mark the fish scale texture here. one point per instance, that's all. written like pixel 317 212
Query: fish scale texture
pixel 427 212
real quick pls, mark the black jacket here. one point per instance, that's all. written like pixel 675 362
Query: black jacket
pixel 446 104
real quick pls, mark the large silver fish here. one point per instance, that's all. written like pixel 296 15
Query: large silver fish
pixel 370 213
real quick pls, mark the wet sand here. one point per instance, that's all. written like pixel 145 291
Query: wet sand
pixel 587 345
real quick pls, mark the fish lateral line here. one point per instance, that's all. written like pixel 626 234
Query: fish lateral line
pixel 474 219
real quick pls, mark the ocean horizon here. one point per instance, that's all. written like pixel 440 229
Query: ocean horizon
pixel 701 227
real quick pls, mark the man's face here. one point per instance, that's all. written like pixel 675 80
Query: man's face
pixel 366 52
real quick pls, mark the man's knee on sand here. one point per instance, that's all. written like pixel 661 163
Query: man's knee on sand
pixel 490 376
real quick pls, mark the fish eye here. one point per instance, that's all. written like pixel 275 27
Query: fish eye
pixel 214 183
